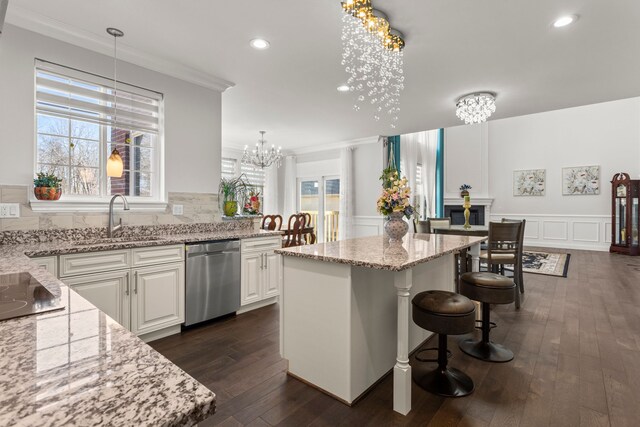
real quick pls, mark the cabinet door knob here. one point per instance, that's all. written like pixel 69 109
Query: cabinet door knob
pixel 135 282
pixel 126 290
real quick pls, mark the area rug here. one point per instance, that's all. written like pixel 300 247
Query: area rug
pixel 545 263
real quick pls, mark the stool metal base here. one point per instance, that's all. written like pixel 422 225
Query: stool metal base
pixel 487 351
pixel 448 382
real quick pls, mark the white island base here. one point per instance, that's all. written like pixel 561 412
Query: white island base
pixel 340 323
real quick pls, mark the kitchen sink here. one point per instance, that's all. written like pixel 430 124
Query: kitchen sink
pixel 108 240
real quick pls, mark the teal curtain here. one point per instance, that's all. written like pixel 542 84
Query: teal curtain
pixel 393 150
pixel 440 175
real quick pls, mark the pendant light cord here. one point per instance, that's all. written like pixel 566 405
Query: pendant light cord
pixel 115 81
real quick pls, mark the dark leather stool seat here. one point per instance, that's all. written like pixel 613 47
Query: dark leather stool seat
pixel 487 288
pixel 445 313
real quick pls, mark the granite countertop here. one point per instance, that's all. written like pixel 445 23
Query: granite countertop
pixel 376 252
pixel 107 244
pixel 77 366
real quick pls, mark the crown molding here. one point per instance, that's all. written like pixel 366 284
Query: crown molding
pixel 37 23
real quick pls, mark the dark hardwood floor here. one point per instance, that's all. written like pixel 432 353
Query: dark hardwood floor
pixel 577 362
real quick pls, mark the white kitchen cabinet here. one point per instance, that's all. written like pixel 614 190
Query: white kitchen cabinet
pixel 110 292
pixel 251 278
pixel 260 273
pixel 158 298
pixel 273 267
pixel 143 289
pixel 49 263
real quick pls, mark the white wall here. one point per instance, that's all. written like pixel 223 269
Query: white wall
pixel 192 113
pixel 466 160
pixel 606 134
pixel 367 167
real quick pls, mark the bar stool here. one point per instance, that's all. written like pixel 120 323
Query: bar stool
pixel 487 288
pixel 445 313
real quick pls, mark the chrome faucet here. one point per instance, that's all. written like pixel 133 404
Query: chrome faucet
pixel 111 228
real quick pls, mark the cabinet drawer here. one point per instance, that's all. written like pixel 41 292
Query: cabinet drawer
pixel 94 262
pixel 157 255
pixel 261 244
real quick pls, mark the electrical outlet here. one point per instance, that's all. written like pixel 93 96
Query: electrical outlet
pixel 178 210
pixel 9 210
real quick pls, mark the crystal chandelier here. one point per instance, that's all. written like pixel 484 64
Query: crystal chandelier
pixel 476 107
pixel 373 58
pixel 261 157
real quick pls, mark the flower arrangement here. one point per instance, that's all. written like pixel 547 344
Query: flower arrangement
pixel 464 190
pixel 252 205
pixel 396 194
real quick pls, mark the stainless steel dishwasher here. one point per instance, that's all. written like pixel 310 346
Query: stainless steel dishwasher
pixel 213 280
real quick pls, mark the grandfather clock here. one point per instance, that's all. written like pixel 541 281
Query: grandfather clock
pixel 625 214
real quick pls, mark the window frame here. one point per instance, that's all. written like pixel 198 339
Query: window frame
pixel 79 203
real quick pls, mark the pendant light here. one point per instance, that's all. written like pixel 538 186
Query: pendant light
pixel 115 166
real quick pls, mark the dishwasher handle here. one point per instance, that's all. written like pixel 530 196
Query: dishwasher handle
pixel 229 246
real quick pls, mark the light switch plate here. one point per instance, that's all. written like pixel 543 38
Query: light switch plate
pixel 9 210
pixel 178 210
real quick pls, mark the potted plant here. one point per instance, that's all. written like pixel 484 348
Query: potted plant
pixel 230 191
pixel 47 186
pixel 464 190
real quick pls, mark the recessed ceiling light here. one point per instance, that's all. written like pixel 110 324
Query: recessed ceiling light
pixel 563 21
pixel 259 44
pixel 343 88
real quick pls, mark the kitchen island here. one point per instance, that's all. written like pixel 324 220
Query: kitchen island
pixel 345 318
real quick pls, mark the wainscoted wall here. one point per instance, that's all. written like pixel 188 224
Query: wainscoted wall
pixel 198 207
pixel 591 232
pixel 364 226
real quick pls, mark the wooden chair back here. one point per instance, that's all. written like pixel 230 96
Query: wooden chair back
pixel 295 227
pixel 524 223
pixel 422 227
pixel 271 222
pixel 439 223
pixel 504 240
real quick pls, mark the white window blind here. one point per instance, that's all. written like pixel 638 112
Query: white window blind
pixel 255 176
pixel 228 167
pixel 69 93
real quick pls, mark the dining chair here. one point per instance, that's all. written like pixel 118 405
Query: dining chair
pixel 503 248
pixel 439 223
pixel 520 280
pixel 271 222
pixel 422 227
pixel 295 228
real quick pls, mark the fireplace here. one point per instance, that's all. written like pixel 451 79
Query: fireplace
pixel 456 213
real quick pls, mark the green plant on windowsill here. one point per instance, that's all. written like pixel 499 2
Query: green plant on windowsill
pixel 47 186
pixel 230 191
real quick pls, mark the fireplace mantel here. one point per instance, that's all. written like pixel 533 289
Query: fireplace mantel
pixel 475 201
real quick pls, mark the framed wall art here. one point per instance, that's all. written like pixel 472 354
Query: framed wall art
pixel 581 180
pixel 531 182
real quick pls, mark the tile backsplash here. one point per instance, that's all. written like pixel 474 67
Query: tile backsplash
pixel 198 208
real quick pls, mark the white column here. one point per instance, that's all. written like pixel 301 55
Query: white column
pixel 474 251
pixel 402 369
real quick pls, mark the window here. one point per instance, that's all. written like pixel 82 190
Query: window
pixel 77 128
pixel 228 167
pixel 255 176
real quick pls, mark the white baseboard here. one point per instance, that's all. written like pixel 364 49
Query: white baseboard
pixel 156 335
pixel 257 305
pixel 584 232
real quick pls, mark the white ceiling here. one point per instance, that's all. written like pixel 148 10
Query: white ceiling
pixel 453 47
